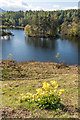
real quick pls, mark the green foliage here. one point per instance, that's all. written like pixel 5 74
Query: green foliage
pixel 27 29
pixel 45 23
pixel 72 29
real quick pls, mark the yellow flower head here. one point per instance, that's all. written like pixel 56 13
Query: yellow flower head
pixel 23 97
pixel 51 92
pixel 56 87
pixel 22 94
pixel 55 91
pixel 39 90
pixel 39 99
pixel 42 94
pixel 32 100
pixel 46 86
pixel 29 95
pixel 61 91
pixel 54 83
pixel 33 96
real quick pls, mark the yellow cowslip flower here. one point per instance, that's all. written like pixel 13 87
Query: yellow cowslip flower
pixel 39 99
pixel 61 91
pixel 56 87
pixel 51 92
pixel 39 90
pixel 42 94
pixel 47 94
pixel 30 95
pixel 27 96
pixel 32 100
pixel 33 96
pixel 23 97
pixel 55 91
pixel 46 86
pixel 54 83
pixel 22 94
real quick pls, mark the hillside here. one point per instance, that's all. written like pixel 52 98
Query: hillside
pixel 25 77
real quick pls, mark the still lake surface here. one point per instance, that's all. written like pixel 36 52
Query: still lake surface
pixel 25 48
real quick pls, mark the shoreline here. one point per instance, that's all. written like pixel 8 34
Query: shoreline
pixel 33 61
pixel 13 27
pixel 44 36
pixel 5 33
pixel 39 36
pixel 34 70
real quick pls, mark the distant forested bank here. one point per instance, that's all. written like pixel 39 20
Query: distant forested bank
pixel 44 23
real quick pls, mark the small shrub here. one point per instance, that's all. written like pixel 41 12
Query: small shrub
pixel 9 56
pixel 47 97
pixel 62 65
pixel 61 62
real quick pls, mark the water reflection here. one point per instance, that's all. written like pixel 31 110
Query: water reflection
pixel 47 43
pixel 72 40
pixel 5 37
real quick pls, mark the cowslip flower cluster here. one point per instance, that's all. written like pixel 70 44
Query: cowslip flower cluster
pixel 46 97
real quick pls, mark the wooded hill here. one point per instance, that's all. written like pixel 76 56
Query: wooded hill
pixel 45 23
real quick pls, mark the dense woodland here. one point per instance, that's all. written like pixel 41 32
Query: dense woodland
pixel 44 23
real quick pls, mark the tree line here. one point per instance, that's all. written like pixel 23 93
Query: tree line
pixel 47 23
